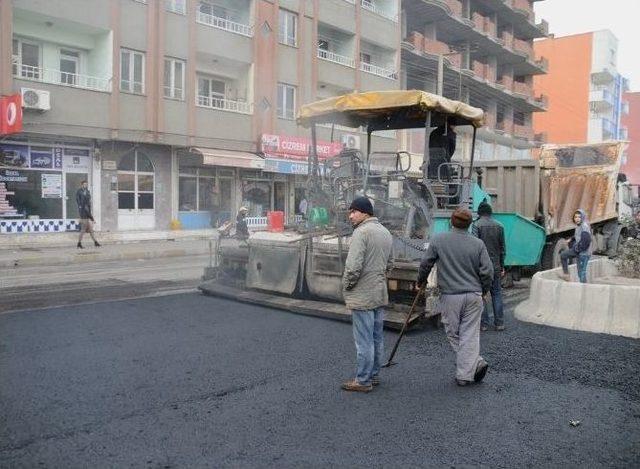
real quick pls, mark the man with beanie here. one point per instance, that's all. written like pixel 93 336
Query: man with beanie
pixel 465 274
pixel 364 289
pixel 492 235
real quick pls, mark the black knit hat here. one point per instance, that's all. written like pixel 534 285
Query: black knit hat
pixel 362 204
pixel 484 208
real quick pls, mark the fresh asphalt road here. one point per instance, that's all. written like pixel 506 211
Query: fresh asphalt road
pixel 192 381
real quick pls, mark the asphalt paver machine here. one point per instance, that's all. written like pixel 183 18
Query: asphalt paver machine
pixel 300 269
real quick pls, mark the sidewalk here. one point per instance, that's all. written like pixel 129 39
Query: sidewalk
pixel 43 255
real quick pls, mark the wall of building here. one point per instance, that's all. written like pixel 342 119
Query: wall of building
pixel 567 85
pixel 632 122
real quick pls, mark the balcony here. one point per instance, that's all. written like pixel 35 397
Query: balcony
pixel 541 137
pixel 58 77
pixel 504 126
pixel 541 101
pixel 543 26
pixel 224 104
pixel 600 100
pixel 378 71
pixel 455 6
pixel 523 7
pixel 603 76
pixel 386 9
pixel 523 47
pixel 225 24
pixel 523 131
pixel 542 63
pixel 336 58
pixel 523 89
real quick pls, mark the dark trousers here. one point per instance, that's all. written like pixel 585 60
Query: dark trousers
pixel 496 302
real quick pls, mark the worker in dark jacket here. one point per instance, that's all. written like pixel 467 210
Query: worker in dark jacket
pixel 579 247
pixel 83 199
pixel 465 274
pixel 492 235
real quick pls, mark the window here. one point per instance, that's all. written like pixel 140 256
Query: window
pixel 26 57
pixel 69 66
pixel 323 44
pixel 218 11
pixel 286 101
pixel 175 6
pixel 365 58
pixel 288 29
pixel 211 92
pixel 174 78
pixel 131 71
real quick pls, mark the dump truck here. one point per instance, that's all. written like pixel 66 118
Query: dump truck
pixel 549 189
pixel 300 269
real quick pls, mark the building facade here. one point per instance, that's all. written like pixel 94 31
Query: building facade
pixel 584 89
pixel 479 52
pixel 178 110
pixel 631 122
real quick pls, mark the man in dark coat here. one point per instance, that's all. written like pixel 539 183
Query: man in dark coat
pixel 492 235
pixel 83 199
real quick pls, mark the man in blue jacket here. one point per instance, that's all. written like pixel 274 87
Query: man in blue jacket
pixel 579 247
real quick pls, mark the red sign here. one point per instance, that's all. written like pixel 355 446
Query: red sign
pixel 10 114
pixel 297 148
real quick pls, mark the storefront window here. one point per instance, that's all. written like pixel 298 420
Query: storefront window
pixel 39 181
pixel 187 193
pixel 256 196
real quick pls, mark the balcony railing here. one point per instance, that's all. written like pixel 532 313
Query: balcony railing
pixel 58 77
pixel 601 96
pixel 379 71
pixel 225 24
pixel 224 104
pixel 541 101
pixel 336 58
pixel 522 89
pixel 371 6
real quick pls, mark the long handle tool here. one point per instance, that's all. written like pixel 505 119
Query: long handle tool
pixel 404 327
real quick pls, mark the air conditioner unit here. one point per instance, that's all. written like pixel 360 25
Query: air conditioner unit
pixel 35 99
pixel 351 141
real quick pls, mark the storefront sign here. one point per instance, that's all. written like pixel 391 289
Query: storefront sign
pixel 10 114
pixel 109 165
pixel 51 186
pixel 16 156
pixel 77 164
pixel 285 167
pixel 41 160
pixel 297 148
pixel 57 157
pixel 12 176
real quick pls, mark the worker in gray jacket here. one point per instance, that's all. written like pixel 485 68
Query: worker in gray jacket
pixel 465 273
pixel 364 289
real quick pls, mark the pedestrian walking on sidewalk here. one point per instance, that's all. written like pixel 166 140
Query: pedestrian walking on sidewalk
pixel 83 199
pixel 579 247
pixel 465 275
pixel 364 288
pixel 492 235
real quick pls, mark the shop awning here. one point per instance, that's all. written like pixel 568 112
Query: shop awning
pixel 234 159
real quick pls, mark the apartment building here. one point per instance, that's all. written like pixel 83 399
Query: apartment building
pixel 584 89
pixel 631 122
pixel 479 52
pixel 178 109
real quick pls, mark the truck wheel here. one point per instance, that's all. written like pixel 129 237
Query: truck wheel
pixel 551 253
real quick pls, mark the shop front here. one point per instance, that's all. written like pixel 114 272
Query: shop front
pixel 287 158
pixel 38 183
pixel 209 185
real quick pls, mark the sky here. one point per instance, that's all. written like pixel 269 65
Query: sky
pixel 622 17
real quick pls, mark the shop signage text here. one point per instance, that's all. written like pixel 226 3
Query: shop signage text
pixel 297 148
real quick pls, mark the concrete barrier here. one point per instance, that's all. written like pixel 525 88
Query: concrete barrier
pixel 593 307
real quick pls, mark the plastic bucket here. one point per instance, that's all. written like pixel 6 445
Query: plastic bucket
pixel 275 221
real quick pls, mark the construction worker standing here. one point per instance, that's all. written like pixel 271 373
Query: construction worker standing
pixel 364 288
pixel 465 273
pixel 492 235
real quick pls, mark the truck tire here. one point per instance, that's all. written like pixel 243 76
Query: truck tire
pixel 551 253
pixel 614 243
